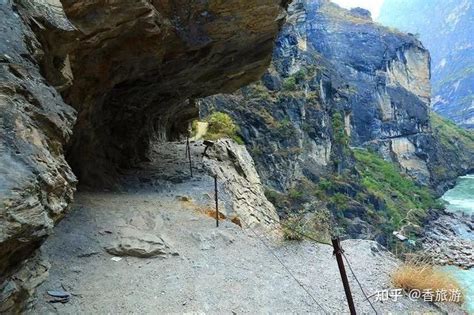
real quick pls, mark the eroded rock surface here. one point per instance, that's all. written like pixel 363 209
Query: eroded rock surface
pixel 235 169
pixel 137 243
pixel 140 61
pixel 18 289
pixel 449 240
pixel 36 183
pixel 128 68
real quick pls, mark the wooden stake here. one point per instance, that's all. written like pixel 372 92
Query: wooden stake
pixel 345 282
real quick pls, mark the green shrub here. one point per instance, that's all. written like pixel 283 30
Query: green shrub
pixel 293 229
pixel 340 201
pixel 295 194
pixel 289 84
pixel 221 125
pixel 338 126
pixel 325 184
pixel 300 75
pixel 285 129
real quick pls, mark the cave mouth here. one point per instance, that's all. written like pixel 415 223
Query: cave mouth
pixel 116 133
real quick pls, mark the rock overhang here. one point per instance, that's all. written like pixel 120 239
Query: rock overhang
pixel 136 69
pixel 129 69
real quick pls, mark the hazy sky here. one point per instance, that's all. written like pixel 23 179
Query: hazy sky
pixel 372 5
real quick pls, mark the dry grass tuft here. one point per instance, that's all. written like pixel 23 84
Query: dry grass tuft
pixel 422 276
pixel 212 213
pixel 236 221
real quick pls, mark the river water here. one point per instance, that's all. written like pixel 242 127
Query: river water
pixel 461 199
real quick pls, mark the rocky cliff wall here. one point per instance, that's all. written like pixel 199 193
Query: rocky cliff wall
pixel 339 81
pixel 445 27
pixel 123 72
pixel 36 183
pixel 330 60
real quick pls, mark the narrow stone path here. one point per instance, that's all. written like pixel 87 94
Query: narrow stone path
pixel 199 268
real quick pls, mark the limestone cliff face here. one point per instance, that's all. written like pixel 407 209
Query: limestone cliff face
pixel 445 27
pixel 330 60
pixel 123 71
pixel 339 81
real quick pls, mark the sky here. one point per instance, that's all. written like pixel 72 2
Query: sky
pixel 372 5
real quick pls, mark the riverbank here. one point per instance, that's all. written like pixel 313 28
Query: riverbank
pixel 449 238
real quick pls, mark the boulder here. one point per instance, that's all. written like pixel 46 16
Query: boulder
pixel 137 243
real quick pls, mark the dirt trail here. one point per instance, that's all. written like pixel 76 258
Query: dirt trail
pixel 210 270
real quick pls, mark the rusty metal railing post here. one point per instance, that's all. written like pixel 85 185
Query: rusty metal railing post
pixel 216 199
pixel 188 150
pixel 345 282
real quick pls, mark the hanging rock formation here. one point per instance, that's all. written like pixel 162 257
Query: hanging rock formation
pixel 140 61
pixel 127 68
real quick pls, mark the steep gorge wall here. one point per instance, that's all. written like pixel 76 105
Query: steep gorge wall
pixel 125 71
pixel 330 60
pixel 340 81
pixel 445 27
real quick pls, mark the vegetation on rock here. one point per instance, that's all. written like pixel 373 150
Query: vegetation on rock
pixel 404 200
pixel 340 135
pixel 449 134
pixel 221 125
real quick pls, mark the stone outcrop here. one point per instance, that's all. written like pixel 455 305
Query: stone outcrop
pixel 235 168
pixel 137 243
pixel 18 289
pixel 128 69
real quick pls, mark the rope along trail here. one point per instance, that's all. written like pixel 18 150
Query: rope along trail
pixel 304 235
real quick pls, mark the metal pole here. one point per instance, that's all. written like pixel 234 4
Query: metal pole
pixel 187 145
pixel 345 282
pixel 189 156
pixel 216 199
